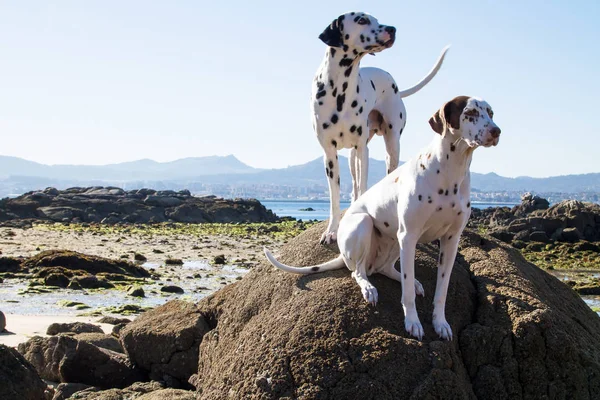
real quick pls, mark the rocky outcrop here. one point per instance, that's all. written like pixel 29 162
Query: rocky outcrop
pixel 519 333
pixel 72 260
pixel 110 205
pixel 18 378
pixel 534 220
pixel 165 340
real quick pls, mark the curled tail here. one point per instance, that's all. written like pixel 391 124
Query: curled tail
pixel 429 77
pixel 336 263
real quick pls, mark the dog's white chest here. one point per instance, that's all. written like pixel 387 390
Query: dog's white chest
pixel 447 215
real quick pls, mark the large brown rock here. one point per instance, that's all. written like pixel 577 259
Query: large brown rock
pixel 165 340
pixel 65 359
pixel 18 378
pixel 519 333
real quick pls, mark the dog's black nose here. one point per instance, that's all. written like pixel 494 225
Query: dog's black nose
pixel 495 132
pixel 390 29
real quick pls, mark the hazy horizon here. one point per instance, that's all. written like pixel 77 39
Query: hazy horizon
pixel 97 83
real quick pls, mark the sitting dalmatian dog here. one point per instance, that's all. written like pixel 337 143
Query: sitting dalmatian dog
pixel 427 198
pixel 350 105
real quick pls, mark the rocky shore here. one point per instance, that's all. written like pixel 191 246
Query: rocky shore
pixel 519 334
pixel 112 205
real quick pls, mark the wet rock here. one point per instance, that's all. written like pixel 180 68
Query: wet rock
pixel 164 341
pixel 139 257
pixel 58 280
pixel 518 332
pixel 136 291
pixel 173 261
pixel 9 264
pixel 171 289
pixel 219 260
pixel 113 320
pixel 2 322
pixel 73 327
pixel 19 379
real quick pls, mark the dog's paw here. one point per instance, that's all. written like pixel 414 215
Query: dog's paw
pixel 328 237
pixel 442 328
pixel 419 289
pixel 370 294
pixel 414 328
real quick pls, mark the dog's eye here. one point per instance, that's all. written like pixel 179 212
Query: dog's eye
pixel 490 113
pixel 472 113
pixel 362 21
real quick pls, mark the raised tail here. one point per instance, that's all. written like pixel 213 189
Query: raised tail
pixel 428 78
pixel 336 263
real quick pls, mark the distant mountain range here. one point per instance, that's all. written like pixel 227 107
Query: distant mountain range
pixel 18 175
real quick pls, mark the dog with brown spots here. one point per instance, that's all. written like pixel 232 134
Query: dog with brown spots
pixel 350 104
pixel 426 199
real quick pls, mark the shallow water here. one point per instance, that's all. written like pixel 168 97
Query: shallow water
pixel 592 301
pixel 212 279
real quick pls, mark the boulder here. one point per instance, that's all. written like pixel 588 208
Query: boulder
pixel 136 291
pixel 56 279
pixel 570 235
pixel 164 341
pixel 2 322
pixel 171 289
pixel 73 327
pixel 519 333
pixel 102 340
pixel 45 354
pixel 539 236
pixel 99 367
pixel 65 359
pixel 503 234
pixel 18 378
pixel 530 203
pixel 9 264
pixel 78 261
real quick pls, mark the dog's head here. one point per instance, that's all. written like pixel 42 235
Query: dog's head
pixel 469 119
pixel 359 33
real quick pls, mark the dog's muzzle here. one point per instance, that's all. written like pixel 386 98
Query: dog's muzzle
pixel 390 30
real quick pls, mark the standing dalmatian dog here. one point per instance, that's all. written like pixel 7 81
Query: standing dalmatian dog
pixel 350 105
pixel 427 198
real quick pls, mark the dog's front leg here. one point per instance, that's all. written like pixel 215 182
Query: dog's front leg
pixel 408 244
pixel 333 179
pixel 448 250
pixel 363 168
pixel 353 162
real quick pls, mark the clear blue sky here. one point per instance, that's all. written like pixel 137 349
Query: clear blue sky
pixel 97 82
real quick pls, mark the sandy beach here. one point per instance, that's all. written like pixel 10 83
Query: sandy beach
pixel 20 328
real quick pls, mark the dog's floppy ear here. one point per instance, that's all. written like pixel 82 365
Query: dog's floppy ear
pixel 332 35
pixel 436 122
pixel 453 110
pixel 449 114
